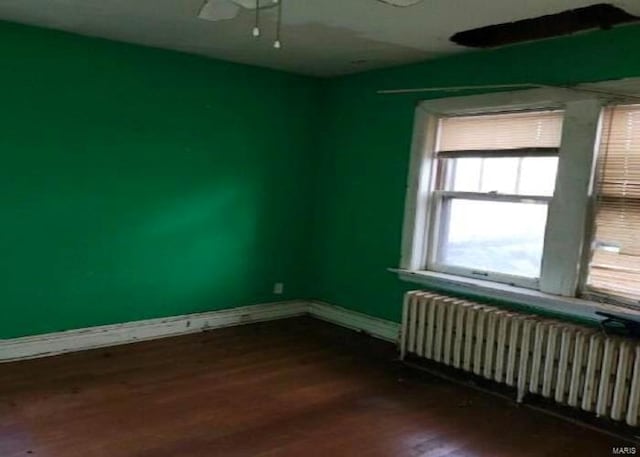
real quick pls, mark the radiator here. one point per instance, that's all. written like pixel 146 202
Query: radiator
pixel 571 364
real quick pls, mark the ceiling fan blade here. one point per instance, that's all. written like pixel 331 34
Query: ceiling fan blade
pixel 253 4
pixel 401 3
pixel 218 10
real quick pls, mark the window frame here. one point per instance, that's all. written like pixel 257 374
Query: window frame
pixel 441 193
pixel 568 235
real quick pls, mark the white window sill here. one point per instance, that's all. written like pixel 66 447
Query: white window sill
pixel 575 308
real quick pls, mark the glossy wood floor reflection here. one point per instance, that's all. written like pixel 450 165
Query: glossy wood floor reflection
pixel 298 388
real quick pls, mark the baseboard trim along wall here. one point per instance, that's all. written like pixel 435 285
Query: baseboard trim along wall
pixel 50 344
pixel 378 328
pixel 110 335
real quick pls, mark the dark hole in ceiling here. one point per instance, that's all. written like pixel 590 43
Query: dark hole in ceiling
pixel 602 15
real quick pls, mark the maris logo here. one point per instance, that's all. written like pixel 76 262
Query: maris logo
pixel 623 450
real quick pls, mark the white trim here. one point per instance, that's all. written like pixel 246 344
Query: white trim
pixel 417 206
pixel 110 335
pixel 30 347
pixel 568 210
pixel 484 275
pixel 608 90
pixel 532 99
pixel 376 327
pixel 493 197
pixel 568 306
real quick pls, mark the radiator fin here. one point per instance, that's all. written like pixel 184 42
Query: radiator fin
pixel 573 365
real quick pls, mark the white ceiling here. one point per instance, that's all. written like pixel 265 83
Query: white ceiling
pixel 320 37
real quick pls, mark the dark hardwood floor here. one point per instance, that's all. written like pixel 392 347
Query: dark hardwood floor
pixel 289 388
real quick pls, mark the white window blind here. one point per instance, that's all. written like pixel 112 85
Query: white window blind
pixel 536 131
pixel 615 264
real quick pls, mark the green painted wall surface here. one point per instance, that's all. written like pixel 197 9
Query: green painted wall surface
pixel 364 156
pixel 138 183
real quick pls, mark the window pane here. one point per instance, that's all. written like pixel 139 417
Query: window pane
pixel 466 174
pixel 505 175
pixel 538 176
pixel 500 237
pixel 500 175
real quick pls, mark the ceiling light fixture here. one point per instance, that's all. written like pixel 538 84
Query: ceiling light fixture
pixel 277 44
pixel 221 10
pixel 256 23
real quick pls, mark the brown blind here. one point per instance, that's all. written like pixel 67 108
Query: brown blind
pixel 534 129
pixel 615 263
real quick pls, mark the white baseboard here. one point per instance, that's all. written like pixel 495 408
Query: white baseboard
pixel 49 344
pixel 378 328
pixel 110 335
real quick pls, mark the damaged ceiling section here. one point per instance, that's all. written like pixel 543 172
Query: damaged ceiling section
pixel 600 16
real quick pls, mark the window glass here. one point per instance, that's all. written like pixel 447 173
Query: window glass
pixel 505 175
pixel 467 174
pixel 500 175
pixel 501 237
pixel 538 176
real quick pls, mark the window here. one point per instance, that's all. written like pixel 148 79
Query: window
pixel 495 177
pixel 614 268
pixel 539 190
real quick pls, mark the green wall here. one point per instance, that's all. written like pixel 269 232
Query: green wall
pixel 139 183
pixel 364 155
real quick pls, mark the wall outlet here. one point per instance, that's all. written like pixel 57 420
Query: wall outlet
pixel 278 288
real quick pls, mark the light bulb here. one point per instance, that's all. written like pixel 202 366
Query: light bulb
pixel 256 32
pixel 276 44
